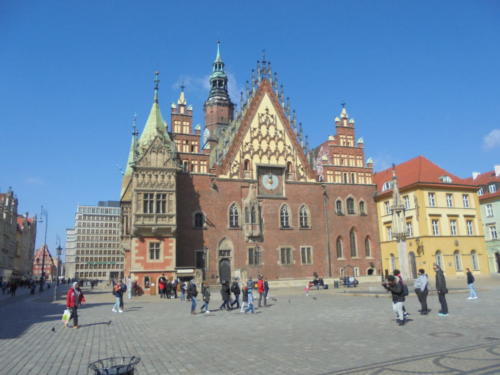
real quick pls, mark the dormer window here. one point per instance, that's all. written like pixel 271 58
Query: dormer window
pixel 445 179
pixel 387 185
pixel 492 188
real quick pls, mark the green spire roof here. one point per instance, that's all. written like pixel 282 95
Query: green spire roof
pixel 155 125
pixel 217 57
pixel 131 153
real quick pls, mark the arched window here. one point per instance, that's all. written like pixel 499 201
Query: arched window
pixel 234 216
pixel 350 206
pixel 338 207
pixel 246 165
pixel 362 208
pixel 474 261
pixel 284 217
pixel 368 247
pixel 304 217
pixel 340 250
pixel 457 260
pixel 199 220
pixel 439 259
pixel 289 169
pixel 352 242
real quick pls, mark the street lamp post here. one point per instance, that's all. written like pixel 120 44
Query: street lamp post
pixel 59 252
pixel 42 274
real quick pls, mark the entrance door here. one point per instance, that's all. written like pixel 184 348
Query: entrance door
pixel 497 256
pixel 224 270
pixel 413 265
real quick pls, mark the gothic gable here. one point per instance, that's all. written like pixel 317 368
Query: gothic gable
pixel 157 155
pixel 265 138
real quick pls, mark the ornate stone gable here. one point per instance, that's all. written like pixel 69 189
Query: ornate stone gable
pixel 265 138
pixel 157 155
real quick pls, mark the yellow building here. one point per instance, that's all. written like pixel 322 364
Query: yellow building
pixel 442 218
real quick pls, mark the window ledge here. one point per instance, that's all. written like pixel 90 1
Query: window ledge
pixel 305 228
pixel 286 228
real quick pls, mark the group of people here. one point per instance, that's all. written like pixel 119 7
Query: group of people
pixel 167 288
pixel 399 290
pixel 236 289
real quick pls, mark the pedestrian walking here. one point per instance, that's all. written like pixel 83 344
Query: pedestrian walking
pixel 441 290
pixel 74 298
pixel 250 286
pixel 266 290
pixel 421 290
pixel 174 287
pixel 235 289
pixel 399 278
pixel 205 292
pixel 192 293
pixel 183 291
pixel 470 285
pixel 123 287
pixel 260 290
pixel 225 293
pixel 395 287
pixel 162 286
pixel 118 293
pixel 244 299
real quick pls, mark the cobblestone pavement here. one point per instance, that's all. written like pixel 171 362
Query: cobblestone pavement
pixel 325 333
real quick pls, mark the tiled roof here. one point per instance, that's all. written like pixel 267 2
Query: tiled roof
pixel 418 170
pixel 483 180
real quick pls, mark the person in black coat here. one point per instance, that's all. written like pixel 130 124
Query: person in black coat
pixel 225 293
pixel 235 289
pixel 441 290
pixel 396 288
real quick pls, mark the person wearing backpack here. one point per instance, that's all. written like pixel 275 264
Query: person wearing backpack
pixel 422 291
pixel 205 292
pixel 395 287
pixel 192 293
pixel 235 289
pixel 404 287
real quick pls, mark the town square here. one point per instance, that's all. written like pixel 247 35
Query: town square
pixel 250 187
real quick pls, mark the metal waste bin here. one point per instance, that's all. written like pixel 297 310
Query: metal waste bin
pixel 115 366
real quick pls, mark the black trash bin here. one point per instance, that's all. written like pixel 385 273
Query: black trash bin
pixel 115 366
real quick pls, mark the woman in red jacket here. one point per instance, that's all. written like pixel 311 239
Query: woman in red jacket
pixel 74 298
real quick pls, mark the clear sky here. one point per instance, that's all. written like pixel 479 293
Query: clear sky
pixel 419 77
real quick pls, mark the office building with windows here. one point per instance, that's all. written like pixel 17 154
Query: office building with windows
pixel 93 245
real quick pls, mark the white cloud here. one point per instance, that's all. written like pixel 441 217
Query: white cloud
pixel 382 162
pixel 492 140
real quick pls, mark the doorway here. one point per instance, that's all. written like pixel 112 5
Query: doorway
pixel 497 257
pixel 224 270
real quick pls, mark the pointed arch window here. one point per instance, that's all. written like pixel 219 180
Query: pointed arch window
pixel 353 244
pixel 340 250
pixel 234 216
pixel 350 206
pixel 368 247
pixel 362 208
pixel 338 207
pixel 304 217
pixel 284 217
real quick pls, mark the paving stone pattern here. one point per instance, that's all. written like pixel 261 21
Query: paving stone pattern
pixel 325 333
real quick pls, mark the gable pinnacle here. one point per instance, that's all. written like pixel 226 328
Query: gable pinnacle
pixel 157 83
pixel 217 56
pixel 182 98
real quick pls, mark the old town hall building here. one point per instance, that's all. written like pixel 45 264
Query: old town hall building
pixel 248 197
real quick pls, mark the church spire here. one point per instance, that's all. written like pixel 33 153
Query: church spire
pixel 155 125
pixel 217 56
pixel 218 78
pixel 132 154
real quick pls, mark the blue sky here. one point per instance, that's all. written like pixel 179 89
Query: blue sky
pixel 419 77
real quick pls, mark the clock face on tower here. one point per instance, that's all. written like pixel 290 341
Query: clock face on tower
pixel 270 181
